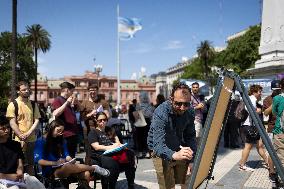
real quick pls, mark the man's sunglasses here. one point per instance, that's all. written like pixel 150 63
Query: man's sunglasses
pixel 4 128
pixel 179 104
pixel 101 120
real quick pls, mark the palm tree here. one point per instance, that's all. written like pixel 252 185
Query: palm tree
pixel 206 53
pixel 37 38
pixel 14 50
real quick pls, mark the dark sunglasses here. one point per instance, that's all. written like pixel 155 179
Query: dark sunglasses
pixel 101 120
pixel 179 104
pixel 4 128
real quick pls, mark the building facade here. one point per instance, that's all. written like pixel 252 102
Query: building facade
pixel 130 89
pixel 164 81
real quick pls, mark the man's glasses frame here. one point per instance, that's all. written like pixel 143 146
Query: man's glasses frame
pixel 179 104
pixel 101 120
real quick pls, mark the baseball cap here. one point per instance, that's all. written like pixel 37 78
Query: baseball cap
pixel 275 84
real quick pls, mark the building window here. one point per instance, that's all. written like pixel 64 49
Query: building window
pixel 111 84
pixel 50 95
pixel 77 83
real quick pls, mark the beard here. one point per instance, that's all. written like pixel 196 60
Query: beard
pixel 25 95
pixel 179 112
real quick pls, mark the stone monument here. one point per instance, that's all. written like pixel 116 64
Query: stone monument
pixel 271 46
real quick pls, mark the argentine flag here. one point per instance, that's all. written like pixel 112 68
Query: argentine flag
pixel 127 27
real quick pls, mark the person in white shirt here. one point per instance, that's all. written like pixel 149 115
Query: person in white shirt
pixel 255 92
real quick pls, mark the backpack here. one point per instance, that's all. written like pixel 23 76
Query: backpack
pixel 17 109
pixel 241 113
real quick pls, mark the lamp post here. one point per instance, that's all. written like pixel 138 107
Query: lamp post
pixel 97 69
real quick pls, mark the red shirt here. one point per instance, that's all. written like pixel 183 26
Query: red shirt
pixel 68 116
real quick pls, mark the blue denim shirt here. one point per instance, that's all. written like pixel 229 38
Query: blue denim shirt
pixel 169 131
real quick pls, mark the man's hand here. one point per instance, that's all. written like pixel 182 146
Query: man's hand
pixel 20 175
pixel 199 106
pixel 26 135
pixel 22 136
pixel 258 110
pixel 185 153
pixel 94 112
pixel 69 99
pixel 60 161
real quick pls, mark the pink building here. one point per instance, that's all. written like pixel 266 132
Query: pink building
pixel 49 89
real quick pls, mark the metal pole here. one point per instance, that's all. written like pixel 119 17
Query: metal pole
pixel 118 61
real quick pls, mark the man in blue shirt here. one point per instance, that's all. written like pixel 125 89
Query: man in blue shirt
pixel 172 138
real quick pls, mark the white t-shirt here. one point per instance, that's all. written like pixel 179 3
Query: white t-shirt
pixel 253 101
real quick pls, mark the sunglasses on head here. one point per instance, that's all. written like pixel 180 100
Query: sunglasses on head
pixel 179 104
pixel 101 120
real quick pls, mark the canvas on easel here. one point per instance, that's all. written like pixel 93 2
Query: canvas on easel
pixel 207 151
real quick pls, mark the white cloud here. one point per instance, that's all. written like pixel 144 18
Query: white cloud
pixel 175 44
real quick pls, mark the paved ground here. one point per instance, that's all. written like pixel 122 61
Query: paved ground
pixel 226 174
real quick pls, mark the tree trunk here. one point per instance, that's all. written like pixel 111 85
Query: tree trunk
pixel 35 95
pixel 14 50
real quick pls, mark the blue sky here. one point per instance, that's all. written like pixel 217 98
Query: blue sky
pixel 87 29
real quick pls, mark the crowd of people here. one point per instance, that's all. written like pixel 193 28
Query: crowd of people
pixel 168 131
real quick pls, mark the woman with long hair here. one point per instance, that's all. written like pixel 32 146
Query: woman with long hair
pixel 52 154
pixel 101 141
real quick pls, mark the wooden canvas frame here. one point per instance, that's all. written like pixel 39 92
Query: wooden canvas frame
pixel 207 150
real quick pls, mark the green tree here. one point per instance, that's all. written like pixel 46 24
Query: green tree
pixel 38 39
pixel 194 71
pixel 205 53
pixel 25 64
pixel 241 52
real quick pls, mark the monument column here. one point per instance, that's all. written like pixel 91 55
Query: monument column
pixel 271 47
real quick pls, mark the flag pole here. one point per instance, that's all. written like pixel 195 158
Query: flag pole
pixel 118 61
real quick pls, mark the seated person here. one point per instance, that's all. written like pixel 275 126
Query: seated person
pixel 101 142
pixel 114 119
pixel 11 155
pixel 116 123
pixel 51 151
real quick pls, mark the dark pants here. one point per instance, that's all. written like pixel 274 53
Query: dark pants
pixel 134 135
pixel 115 168
pixel 142 134
pixel 231 133
pixel 72 145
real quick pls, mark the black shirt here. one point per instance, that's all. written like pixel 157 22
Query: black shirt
pixel 132 108
pixel 10 153
pixel 96 135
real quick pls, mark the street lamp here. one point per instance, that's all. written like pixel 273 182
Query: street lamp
pixel 97 69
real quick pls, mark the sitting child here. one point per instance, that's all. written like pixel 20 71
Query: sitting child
pixel 11 155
